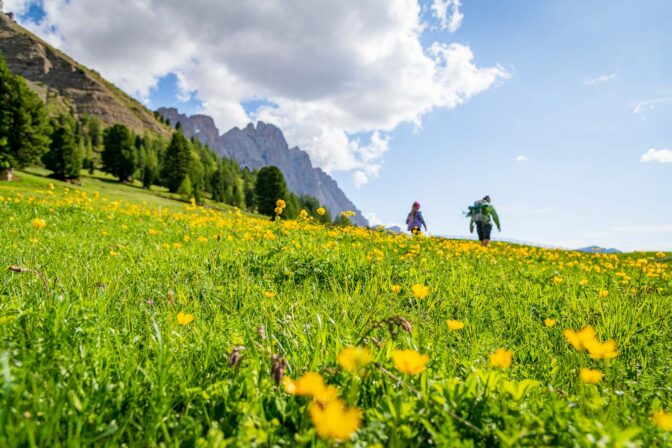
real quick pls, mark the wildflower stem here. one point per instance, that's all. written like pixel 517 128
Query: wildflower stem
pixel 453 415
pixel 20 270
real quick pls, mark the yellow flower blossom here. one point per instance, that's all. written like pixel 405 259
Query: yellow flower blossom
pixel 663 420
pixel 409 361
pixel 590 376
pixel 502 358
pixel 579 339
pixel 152 232
pixel 39 223
pixel 549 322
pixel 420 291
pixel 396 289
pixel 269 294
pixel 280 203
pixel 184 318
pixel 583 282
pixel 278 210
pixel 353 359
pixel 321 211
pixel 604 293
pixel 202 239
pixel 311 385
pixel 114 254
pixel 455 325
pixel 601 350
pixel 334 421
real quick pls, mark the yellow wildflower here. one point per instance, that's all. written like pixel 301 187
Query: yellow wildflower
pixel 353 359
pixel 590 376
pixel 409 361
pixel 604 293
pixel 420 291
pixel 114 254
pixel 303 214
pixel 280 203
pixel 334 421
pixel 39 223
pixel 601 350
pixel 184 318
pixel 186 238
pixel 579 339
pixel 557 280
pixel 583 282
pixel 311 385
pixel 396 289
pixel 663 420
pixel 321 211
pixel 278 210
pixel 549 322
pixel 152 232
pixel 202 239
pixel 455 324
pixel 502 358
pixel 269 294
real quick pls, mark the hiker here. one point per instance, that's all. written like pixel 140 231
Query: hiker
pixel 483 213
pixel 415 220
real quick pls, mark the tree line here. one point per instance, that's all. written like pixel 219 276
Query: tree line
pixel 66 144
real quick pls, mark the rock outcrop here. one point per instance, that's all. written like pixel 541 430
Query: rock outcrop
pixel 264 145
pixel 63 82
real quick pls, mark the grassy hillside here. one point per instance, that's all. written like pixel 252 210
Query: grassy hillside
pixel 129 318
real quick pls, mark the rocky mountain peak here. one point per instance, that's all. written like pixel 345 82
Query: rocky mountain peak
pixel 262 145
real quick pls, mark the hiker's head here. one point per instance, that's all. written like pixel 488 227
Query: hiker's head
pixel 486 199
pixel 416 205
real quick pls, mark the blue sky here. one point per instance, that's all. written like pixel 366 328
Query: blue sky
pixel 556 141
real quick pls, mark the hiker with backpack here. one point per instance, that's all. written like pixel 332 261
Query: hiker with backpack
pixel 482 214
pixel 415 221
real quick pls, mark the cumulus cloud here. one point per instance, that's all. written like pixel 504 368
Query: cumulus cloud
pixel 448 14
pixel 599 79
pixel 337 77
pixel 657 155
pixel 521 159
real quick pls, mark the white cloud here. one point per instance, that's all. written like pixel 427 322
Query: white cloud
pixel 599 79
pixel 334 72
pixel 448 13
pixel 650 104
pixel 657 155
pixel 521 159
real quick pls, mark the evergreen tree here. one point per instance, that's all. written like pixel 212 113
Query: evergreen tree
pixel 293 207
pixel 24 126
pixel 177 162
pixel 270 186
pixel 151 173
pixel 186 190
pixel 119 156
pixel 65 155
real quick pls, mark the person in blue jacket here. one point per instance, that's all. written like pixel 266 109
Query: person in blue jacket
pixel 415 221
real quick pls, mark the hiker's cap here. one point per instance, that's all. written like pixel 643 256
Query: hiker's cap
pixel 416 204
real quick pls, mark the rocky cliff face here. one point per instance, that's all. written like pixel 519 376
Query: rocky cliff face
pixel 53 74
pixel 263 145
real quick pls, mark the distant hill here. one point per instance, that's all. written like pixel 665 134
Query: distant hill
pixel 264 145
pixel 66 85
pixel 598 250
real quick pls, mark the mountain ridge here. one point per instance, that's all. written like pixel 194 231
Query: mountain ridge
pixel 64 84
pixel 264 144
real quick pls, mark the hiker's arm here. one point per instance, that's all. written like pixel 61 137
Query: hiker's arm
pixel 422 220
pixel 471 224
pixel 495 218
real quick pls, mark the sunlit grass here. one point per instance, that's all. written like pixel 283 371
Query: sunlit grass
pixel 148 301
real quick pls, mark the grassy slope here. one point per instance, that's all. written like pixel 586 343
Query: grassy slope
pixel 100 358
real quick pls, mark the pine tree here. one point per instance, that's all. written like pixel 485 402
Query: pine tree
pixel 151 174
pixel 270 186
pixel 119 156
pixel 64 158
pixel 24 126
pixel 177 162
